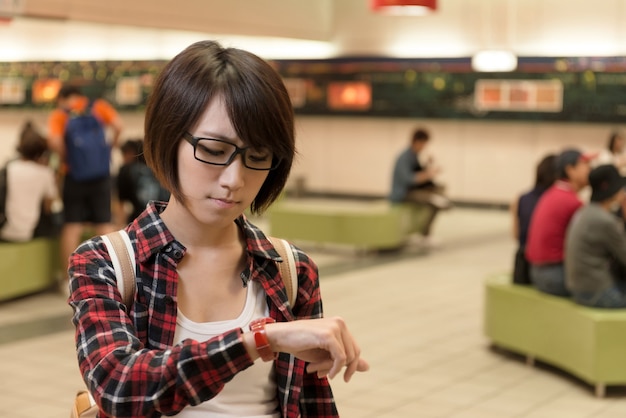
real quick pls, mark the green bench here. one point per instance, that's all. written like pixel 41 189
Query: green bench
pixel 377 225
pixel 28 267
pixel 586 342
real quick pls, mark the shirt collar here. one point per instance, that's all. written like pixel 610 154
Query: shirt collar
pixel 564 185
pixel 257 242
pixel 151 231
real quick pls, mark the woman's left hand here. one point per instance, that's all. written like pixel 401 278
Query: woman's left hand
pixel 326 344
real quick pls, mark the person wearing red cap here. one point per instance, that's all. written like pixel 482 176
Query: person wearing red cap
pixel 596 244
pixel 549 222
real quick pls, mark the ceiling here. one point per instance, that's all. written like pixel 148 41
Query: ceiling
pixel 157 29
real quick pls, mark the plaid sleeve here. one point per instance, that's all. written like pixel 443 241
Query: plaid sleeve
pixel 126 378
pixel 317 398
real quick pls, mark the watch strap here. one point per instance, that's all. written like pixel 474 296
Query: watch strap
pixel 257 327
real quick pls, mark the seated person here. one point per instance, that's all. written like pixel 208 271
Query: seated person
pixel 31 187
pixel 136 183
pixel 522 210
pixel 595 241
pixel 613 153
pixel 413 181
pixel 549 222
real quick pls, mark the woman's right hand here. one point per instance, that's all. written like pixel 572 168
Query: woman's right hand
pixel 326 344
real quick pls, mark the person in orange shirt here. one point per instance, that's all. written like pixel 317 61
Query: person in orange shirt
pixel 85 171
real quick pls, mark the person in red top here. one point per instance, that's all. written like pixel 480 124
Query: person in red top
pixel 548 225
pixel 83 201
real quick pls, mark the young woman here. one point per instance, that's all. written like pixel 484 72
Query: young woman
pixel 219 135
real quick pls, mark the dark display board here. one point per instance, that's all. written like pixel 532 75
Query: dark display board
pixel 541 89
pixel 550 89
pixel 35 84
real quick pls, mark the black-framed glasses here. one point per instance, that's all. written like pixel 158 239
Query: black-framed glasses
pixel 219 152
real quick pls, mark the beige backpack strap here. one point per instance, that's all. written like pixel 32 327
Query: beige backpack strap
pixel 81 404
pixel 287 268
pixel 123 258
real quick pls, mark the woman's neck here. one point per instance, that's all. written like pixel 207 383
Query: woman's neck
pixel 192 233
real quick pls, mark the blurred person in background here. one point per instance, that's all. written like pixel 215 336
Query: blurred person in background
pixel 522 209
pixel 595 258
pixel 549 222
pixel 136 183
pixel 77 133
pixel 613 153
pixel 413 182
pixel 31 188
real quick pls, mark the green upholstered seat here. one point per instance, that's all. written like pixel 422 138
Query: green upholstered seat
pixel 587 342
pixel 28 267
pixel 365 225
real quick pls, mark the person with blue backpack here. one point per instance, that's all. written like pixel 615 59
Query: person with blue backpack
pixel 77 131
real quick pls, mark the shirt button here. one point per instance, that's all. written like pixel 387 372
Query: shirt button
pixel 168 249
pixel 177 254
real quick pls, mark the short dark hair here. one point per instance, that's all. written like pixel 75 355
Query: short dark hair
pixel 612 140
pixel 568 157
pixel 256 100
pixel 68 90
pixel 546 172
pixel 420 135
pixel 32 145
pixel 134 147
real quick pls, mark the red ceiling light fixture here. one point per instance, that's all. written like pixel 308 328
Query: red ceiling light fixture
pixel 404 7
pixel 10 9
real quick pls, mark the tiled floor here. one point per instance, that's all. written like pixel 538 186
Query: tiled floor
pixel 418 319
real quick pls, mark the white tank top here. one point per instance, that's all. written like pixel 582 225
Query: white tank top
pixel 252 392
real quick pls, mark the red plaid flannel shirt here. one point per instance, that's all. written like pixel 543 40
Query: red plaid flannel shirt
pixel 129 362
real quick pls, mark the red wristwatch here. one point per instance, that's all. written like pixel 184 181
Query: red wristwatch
pixel 260 338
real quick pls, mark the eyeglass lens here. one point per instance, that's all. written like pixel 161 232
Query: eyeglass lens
pixel 214 151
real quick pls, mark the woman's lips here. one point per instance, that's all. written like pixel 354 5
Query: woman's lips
pixel 225 203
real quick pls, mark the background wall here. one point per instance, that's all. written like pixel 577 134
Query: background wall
pixel 482 161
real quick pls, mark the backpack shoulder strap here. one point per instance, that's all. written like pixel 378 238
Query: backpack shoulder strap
pixel 123 258
pixel 287 270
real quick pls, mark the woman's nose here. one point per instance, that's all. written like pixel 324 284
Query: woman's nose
pixel 233 174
